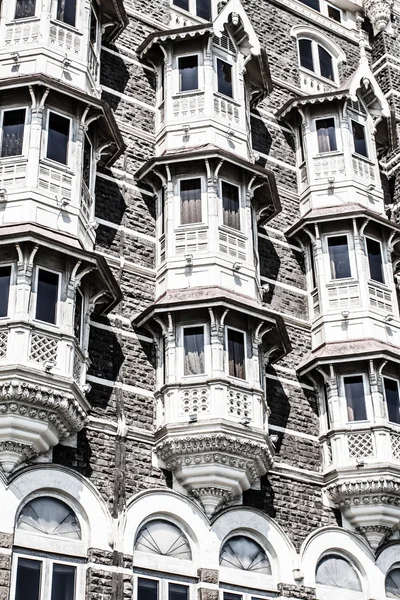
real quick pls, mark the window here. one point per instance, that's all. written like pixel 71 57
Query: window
pixel 58 137
pixel 24 9
pixel 152 589
pixel 193 346
pixel 375 260
pixel 334 13
pixel 202 8
pixel 182 4
pixel 5 277
pixel 230 205
pixel 87 163
pixel 190 194
pixel 236 354
pixel 78 317
pixel 326 134
pixel 224 77
pixel 355 398
pixel 359 141
pixel 49 516
pixel 392 583
pixel 311 3
pixel 176 591
pixel 315 58
pixel 335 571
pixel 162 537
pixel 66 10
pixel 12 132
pixel 47 296
pixel 326 9
pixel 391 387
pixel 94 28
pixel 338 249
pixel 188 73
pixel 34 577
pixel 147 589
pixel 241 552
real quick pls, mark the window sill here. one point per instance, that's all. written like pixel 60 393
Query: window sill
pixel 66 26
pixel 24 20
pixel 383 286
pixel 344 281
pixel 232 231
pixel 12 159
pixel 189 226
pixel 363 158
pixel 227 99
pixel 195 92
pixel 56 165
pixel 324 80
pixel 329 153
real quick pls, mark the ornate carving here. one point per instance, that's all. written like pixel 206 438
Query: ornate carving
pixel 379 13
pixel 353 488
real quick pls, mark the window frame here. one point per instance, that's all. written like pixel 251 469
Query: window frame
pixel 203 191
pixel 353 117
pixel 316 61
pixel 367 398
pixel 163 580
pixel 375 281
pixel 10 290
pixel 63 23
pixel 200 84
pixel 182 345
pixel 384 395
pixel 25 141
pixel 239 188
pixel 35 289
pixel 246 374
pixel 92 174
pixel 352 259
pixel 54 163
pixel 192 10
pixel 20 19
pixel 337 135
pixel 228 59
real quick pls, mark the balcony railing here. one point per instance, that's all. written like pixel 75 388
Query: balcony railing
pixel 343 295
pixel 363 168
pixel 13 174
pixel 331 165
pixel 226 110
pixel 191 241
pixel 188 105
pixel 380 298
pixel 65 39
pixel 21 34
pixel 55 180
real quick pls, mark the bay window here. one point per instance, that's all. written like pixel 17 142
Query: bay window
pixel 338 249
pixel 12 132
pixel 316 58
pixel 375 260
pixel 190 197
pixel 355 398
pixel 236 353
pixel 326 134
pixel 47 296
pixel 58 138
pixel 230 205
pixel 391 388
pixel 193 347
pixel 188 73
pixel 224 78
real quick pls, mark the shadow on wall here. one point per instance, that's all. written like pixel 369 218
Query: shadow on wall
pixel 78 458
pixel 263 499
pixel 113 74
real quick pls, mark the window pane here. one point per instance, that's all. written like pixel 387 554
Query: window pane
pixel 5 275
pixel 190 201
pixel 339 257
pixel 87 162
pixel 236 353
pixel 375 260
pixel 182 4
pixel 203 9
pixel 25 8
pixel 93 28
pixel 63 584
pixel 66 11
pixel 326 135
pixel 334 14
pixel 47 293
pixel 78 316
pixel 224 74
pixel 229 596
pixel 57 144
pixel 177 591
pixel 193 344
pixel 147 589
pixel 306 58
pixel 28 579
pixel 230 205
pixel 360 144
pixel 325 63
pixel 392 400
pixel 188 73
pixel 311 3
pixel 354 391
pixel 13 132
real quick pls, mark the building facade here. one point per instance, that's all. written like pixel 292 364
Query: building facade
pixel 199 299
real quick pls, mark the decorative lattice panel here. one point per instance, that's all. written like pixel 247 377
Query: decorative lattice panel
pixel 3 344
pixel 194 400
pixel 380 299
pixel 363 169
pixel 65 39
pixel 43 348
pixel 343 296
pixel 230 244
pixel 395 445
pixel 239 404
pixel 188 105
pixel 191 242
pixel 13 175
pixel 22 34
pixel 329 167
pixel 360 445
pixel 55 181
pixel 224 42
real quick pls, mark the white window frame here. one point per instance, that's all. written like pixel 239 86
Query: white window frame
pixel 361 120
pixel 46 139
pixel 24 19
pixel 246 369
pixel 207 355
pixel 36 285
pixel 11 294
pixel 25 141
pixel 62 23
pixel 339 146
pixel 203 194
pixel 229 59
pixel 192 10
pixel 163 583
pixel 241 215
pixel 352 258
pixel 245 595
pixel 367 398
pixel 176 91
pixel 384 394
pixel 325 12
pixel 315 56
pixel 370 280
pixel 97 47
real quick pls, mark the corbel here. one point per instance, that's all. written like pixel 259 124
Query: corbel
pixel 29 266
pixel 163 179
pixel 218 167
pixel 214 328
pixel 393 240
pixel 362 228
pixel 269 352
pixel 91 120
pixel 171 331
pixel 222 320
pixel 100 150
pixel 259 333
pixel 95 299
pixel 33 98
pixel 161 324
pixel 44 98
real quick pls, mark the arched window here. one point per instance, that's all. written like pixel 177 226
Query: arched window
pixel 162 537
pixel 316 58
pixel 49 516
pixel 241 552
pixel 392 583
pixel 335 571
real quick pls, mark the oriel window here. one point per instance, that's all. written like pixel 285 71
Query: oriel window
pixel 12 134
pixel 326 135
pixel 193 346
pixel 47 296
pixel 236 354
pixel 224 74
pixel 5 278
pixel 190 192
pixel 66 11
pixel 230 205
pixel 338 249
pixel 360 143
pixel 392 399
pixel 25 9
pixel 355 398
pixel 375 260
pixel 58 138
pixel 188 73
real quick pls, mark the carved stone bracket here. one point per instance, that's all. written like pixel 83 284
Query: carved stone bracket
pixel 379 13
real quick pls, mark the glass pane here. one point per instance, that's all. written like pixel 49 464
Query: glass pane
pixel 354 391
pixel 87 162
pixel 147 589
pixel 177 591
pixel 13 132
pixel 375 260
pixel 224 74
pixel 188 73
pixel 190 201
pixel 66 10
pixel 182 4
pixel 392 400
pixel 339 257
pixel 325 63
pixel 335 571
pixel 193 342
pixel 25 8
pixel 162 537
pixel 47 295
pixel 93 28
pixel 28 579
pixel 311 3
pixel 63 584
pixel 306 58
pixel 203 9
pixel 392 584
pixel 57 143
pixel 326 135
pixel 5 275
pixel 241 552
pixel 236 354
pixel 78 316
pixel 49 516
pixel 360 144
pixel 230 205
pixel 334 14
pixel 229 596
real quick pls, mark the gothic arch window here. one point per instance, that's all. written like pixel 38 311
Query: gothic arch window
pixel 163 537
pixel 392 583
pixel 242 552
pixel 337 572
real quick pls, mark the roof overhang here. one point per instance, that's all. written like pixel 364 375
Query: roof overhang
pixel 182 33
pixel 114 18
pixel 286 111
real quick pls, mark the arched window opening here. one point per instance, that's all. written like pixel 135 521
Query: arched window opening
pixel 241 552
pixel 49 516
pixel 316 58
pixel 335 571
pixel 392 583
pixel 165 538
